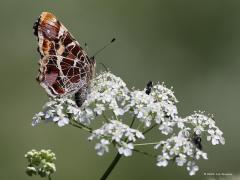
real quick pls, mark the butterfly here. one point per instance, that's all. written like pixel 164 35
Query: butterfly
pixel 65 68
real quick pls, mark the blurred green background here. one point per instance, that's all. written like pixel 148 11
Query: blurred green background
pixel 191 45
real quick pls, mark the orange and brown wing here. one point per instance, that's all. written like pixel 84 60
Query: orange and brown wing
pixel 64 65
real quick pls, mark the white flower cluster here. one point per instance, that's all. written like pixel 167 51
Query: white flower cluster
pixel 53 111
pixel 61 111
pixel 180 149
pixel 158 107
pixel 108 92
pixel 119 105
pixel 202 123
pixel 121 135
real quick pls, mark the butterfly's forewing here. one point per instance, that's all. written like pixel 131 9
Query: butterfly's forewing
pixel 65 68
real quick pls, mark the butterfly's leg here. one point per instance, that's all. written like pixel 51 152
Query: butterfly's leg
pixel 81 95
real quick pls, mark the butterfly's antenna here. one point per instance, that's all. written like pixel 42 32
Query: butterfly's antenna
pixel 86 46
pixel 94 55
pixel 105 67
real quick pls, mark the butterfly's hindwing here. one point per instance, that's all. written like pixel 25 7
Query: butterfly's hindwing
pixel 65 68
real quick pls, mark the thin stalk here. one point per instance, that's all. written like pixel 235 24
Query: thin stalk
pixel 144 153
pixel 49 177
pixel 149 129
pixel 81 126
pixel 105 118
pixel 111 167
pixel 115 116
pixel 139 126
pixel 131 125
pixel 145 144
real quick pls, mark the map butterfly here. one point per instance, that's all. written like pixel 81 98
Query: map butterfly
pixel 65 69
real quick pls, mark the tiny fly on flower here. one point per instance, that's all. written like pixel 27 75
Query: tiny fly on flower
pixel 197 141
pixel 149 87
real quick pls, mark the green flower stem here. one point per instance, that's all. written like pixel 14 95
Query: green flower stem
pixel 140 126
pixel 105 118
pixel 131 125
pixel 115 116
pixel 144 153
pixel 116 159
pixel 149 129
pixel 81 126
pixel 111 167
pixel 145 144
pixel 49 177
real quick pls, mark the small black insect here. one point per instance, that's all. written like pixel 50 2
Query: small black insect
pixel 197 141
pixel 149 87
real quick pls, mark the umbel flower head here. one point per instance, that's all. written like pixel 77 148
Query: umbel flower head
pixel 40 163
pixel 129 114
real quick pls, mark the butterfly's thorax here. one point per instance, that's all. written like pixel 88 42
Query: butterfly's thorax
pixel 65 67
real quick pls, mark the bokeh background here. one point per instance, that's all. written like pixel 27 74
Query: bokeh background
pixel 191 45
